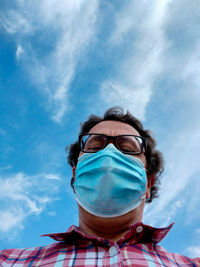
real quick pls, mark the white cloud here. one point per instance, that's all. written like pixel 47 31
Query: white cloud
pixel 23 195
pixel 180 183
pixel 14 22
pixel 51 176
pixel 77 29
pixel 19 52
pixel 5 168
pixel 128 21
pixel 10 219
pixel 133 86
pixel 194 251
pixel 198 231
pixel 70 28
pixel 133 97
pixel 191 71
pixel 181 172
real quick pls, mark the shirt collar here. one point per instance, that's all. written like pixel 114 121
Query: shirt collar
pixel 138 233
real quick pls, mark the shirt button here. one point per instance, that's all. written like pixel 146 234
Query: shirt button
pixel 139 229
pixel 112 251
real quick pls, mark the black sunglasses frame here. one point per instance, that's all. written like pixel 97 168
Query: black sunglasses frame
pixel 143 144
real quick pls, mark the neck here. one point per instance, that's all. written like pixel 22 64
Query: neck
pixel 109 228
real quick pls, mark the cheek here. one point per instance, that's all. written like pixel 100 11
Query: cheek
pixel 143 159
pixel 80 154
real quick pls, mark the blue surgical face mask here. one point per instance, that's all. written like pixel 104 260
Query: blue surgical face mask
pixel 109 183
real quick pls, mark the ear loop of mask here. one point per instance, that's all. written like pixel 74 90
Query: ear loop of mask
pixel 147 199
pixel 73 177
pixel 72 184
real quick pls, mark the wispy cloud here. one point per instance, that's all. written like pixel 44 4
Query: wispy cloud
pixel 51 176
pixel 69 26
pixel 19 52
pixel 10 219
pixel 14 22
pixel 193 251
pixel 191 70
pixel 22 195
pixel 177 184
pixel 4 168
pixel 132 87
pixel 182 167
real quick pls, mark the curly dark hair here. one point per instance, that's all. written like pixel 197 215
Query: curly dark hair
pixel 154 157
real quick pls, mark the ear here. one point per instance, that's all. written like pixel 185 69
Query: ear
pixel 73 171
pixel 151 182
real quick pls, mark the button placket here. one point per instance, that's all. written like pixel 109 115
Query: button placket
pixel 112 251
pixel 139 229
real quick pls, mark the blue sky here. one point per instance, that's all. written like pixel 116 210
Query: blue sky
pixel 60 61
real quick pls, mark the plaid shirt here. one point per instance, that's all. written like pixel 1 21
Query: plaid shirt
pixel 74 248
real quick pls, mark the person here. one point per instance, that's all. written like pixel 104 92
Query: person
pixel 116 170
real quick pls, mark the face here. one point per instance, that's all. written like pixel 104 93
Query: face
pixel 113 128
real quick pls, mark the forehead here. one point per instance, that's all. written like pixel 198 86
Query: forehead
pixel 113 128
